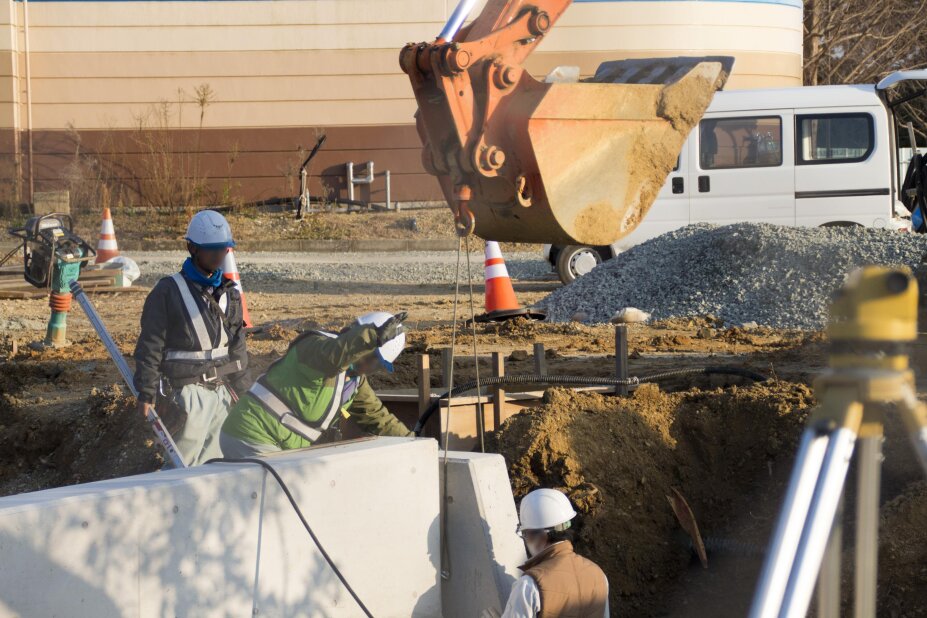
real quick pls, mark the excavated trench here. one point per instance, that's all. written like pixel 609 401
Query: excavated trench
pixel 729 452
pixel 51 437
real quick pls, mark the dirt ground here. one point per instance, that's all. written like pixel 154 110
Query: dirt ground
pixel 64 419
pixel 729 452
pixel 252 223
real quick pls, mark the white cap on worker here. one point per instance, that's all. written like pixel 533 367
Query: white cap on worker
pixel 209 230
pixel 389 351
pixel 544 509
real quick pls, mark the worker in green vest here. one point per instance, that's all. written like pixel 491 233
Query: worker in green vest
pixel 321 378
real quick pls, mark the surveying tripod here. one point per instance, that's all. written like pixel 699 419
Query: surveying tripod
pixel 873 318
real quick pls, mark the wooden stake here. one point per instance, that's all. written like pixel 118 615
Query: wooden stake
pixel 498 399
pixel 621 358
pixel 424 382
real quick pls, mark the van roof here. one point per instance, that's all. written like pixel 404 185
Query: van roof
pixel 787 98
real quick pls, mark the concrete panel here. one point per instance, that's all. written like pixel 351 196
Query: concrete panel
pixel 222 540
pixel 483 550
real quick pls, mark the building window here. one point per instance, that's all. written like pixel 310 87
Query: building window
pixel 835 138
pixel 728 143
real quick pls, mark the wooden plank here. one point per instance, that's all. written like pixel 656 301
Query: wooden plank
pixel 540 360
pixel 104 287
pixel 424 382
pixel 621 358
pixel 498 401
pixel 20 294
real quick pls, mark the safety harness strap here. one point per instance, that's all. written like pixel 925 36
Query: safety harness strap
pixel 276 406
pixel 198 355
pixel 196 318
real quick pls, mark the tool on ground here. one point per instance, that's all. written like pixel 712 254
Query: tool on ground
pixel 873 319
pixel 163 435
pixel 53 256
pixel 686 519
pixel 304 201
pixel 501 302
pixel 528 161
pixel 107 248
pixel 230 272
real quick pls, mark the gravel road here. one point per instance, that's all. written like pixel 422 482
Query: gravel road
pixel 775 276
pixel 261 271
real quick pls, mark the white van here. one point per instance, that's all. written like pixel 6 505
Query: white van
pixel 813 156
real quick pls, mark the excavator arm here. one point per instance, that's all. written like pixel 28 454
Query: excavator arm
pixel 529 161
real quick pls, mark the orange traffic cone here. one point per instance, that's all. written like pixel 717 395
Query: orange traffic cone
pixel 107 248
pixel 230 271
pixel 501 303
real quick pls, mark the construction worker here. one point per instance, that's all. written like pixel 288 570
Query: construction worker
pixel 321 377
pixel 556 581
pixel 190 357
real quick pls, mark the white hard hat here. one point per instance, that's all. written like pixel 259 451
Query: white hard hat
pixel 389 351
pixel 543 509
pixel 209 230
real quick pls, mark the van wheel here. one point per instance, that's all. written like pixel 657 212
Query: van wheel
pixel 574 261
pixel 842 224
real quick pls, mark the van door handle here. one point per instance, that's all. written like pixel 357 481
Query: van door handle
pixel 679 185
pixel 704 184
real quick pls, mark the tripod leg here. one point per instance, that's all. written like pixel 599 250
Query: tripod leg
pixel 792 518
pixel 814 539
pixel 867 525
pixel 914 414
pixel 829 581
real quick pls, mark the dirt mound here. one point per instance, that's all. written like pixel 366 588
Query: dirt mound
pixel 100 438
pixel 903 554
pixel 619 459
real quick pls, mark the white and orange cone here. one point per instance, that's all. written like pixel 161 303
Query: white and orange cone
pixel 107 248
pixel 501 302
pixel 230 271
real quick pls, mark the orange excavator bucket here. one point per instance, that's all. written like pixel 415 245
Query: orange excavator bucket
pixel 528 161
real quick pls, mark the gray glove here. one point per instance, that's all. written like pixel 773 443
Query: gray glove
pixel 391 329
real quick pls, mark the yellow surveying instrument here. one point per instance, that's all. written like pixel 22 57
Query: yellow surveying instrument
pixel 873 321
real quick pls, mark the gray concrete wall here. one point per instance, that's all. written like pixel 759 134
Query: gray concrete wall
pixel 483 551
pixel 222 540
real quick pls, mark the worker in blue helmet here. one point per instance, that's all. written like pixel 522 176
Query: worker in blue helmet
pixel 191 357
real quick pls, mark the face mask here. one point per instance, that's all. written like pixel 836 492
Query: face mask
pixel 534 546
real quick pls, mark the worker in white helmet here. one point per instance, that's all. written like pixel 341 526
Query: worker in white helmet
pixel 190 357
pixel 320 380
pixel 556 580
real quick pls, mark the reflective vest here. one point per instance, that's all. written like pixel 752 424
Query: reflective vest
pixel 209 351
pixel 301 399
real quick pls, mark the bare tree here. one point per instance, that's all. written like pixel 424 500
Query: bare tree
pixel 859 41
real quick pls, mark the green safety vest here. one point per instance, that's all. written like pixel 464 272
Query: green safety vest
pixel 303 400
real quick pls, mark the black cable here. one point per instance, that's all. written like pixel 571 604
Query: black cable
pixel 302 518
pixel 544 380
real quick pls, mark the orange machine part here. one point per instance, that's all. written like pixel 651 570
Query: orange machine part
pixel 60 302
pixel 522 160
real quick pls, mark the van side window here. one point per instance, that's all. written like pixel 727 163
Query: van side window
pixel 727 143
pixel 835 138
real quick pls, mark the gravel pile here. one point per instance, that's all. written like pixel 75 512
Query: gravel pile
pixel 775 276
pixel 261 271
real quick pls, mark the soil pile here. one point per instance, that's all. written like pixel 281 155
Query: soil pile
pixel 619 459
pixel 903 554
pixel 46 444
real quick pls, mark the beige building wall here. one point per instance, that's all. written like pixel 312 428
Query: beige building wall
pixel 278 72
